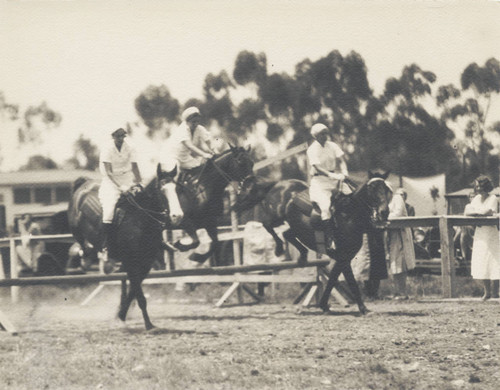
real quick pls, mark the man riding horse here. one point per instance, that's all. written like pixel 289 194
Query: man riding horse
pixel 326 160
pixel 188 146
pixel 120 171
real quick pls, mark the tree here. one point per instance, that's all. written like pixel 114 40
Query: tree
pixel 467 111
pixel 38 162
pixel 406 136
pixel 157 107
pixel 86 154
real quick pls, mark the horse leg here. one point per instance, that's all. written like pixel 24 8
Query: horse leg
pixel 202 257
pixel 332 281
pixel 141 300
pixel 191 231
pixel 353 286
pixel 292 239
pixel 125 301
pixel 279 250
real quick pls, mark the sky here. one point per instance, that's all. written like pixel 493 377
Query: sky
pixel 89 60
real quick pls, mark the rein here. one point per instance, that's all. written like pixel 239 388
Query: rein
pixel 149 213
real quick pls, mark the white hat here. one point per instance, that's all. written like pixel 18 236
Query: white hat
pixel 189 112
pixel 318 128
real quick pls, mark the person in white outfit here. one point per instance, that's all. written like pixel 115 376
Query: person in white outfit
pixel 328 171
pixel 400 247
pixel 485 261
pixel 189 143
pixel 120 171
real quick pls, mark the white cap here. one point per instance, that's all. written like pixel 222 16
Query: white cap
pixel 189 112
pixel 318 128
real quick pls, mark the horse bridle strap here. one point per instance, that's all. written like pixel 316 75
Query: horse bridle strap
pixel 147 212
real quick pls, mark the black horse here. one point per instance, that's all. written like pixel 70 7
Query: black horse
pixel 136 239
pixel 288 201
pixel 137 235
pixel 202 201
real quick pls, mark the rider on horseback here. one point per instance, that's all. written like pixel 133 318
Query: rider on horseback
pixel 326 160
pixel 189 143
pixel 120 171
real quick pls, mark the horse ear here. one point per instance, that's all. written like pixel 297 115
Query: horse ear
pixel 385 175
pixel 370 174
pixel 158 170
pixel 231 146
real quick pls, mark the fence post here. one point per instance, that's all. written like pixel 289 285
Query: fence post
pixel 14 290
pixel 236 242
pixel 447 257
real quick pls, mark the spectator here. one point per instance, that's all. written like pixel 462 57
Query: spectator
pixel 410 210
pixel 464 236
pixel 485 262
pixel 30 250
pixel 400 248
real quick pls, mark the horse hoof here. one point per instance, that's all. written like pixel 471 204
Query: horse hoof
pixel 150 327
pixel 197 258
pixel 325 308
pixel 364 310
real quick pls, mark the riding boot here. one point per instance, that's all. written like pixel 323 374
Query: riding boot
pixel 329 233
pixel 106 262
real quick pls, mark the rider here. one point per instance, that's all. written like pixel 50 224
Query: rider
pixel 119 169
pixel 328 170
pixel 189 143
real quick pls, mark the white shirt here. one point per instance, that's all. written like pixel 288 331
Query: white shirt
pixel 324 156
pixel 121 160
pixel 175 144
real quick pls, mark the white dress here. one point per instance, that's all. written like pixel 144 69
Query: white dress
pixel 485 262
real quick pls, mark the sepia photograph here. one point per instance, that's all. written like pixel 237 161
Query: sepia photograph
pixel 280 194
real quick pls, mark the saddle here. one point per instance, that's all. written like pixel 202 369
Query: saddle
pixel 188 180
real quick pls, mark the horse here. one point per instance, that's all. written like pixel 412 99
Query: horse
pixel 288 201
pixel 137 235
pixel 202 202
pixel 139 220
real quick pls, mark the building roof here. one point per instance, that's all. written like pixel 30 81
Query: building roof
pixel 45 176
pixel 464 192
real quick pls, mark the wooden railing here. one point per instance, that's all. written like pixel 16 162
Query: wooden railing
pixel 445 223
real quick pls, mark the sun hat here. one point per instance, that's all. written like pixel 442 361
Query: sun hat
pixel 318 128
pixel 190 112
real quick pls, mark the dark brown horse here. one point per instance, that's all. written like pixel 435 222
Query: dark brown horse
pixel 202 202
pixel 288 201
pixel 139 220
pixel 137 235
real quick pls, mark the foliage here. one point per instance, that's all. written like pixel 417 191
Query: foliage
pixel 156 107
pixel 38 162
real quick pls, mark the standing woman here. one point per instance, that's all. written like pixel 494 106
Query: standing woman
pixel 400 247
pixel 119 169
pixel 485 262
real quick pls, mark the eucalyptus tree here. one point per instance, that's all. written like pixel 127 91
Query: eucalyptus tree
pixel 157 108
pixel 406 135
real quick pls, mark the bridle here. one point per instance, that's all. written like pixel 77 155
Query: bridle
pixel 151 214
pixel 373 208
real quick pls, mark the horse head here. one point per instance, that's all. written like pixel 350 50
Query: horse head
pixel 234 164
pixel 167 187
pixel 378 197
pixel 251 191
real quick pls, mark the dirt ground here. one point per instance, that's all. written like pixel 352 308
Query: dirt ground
pixel 412 344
